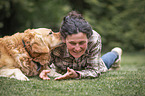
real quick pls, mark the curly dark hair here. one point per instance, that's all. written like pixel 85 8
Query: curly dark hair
pixel 74 23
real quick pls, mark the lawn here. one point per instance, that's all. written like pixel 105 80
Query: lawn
pixel 128 81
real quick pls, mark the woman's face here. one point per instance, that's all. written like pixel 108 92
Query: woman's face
pixel 76 44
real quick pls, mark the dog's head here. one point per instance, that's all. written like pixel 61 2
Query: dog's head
pixel 50 38
pixel 39 42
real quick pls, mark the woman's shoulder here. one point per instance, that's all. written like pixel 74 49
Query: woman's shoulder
pixel 94 41
pixel 95 37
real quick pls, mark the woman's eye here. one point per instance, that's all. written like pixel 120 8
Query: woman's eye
pixel 81 43
pixel 72 43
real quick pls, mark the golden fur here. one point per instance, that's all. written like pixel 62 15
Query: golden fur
pixel 25 51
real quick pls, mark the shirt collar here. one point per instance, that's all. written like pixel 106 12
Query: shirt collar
pixel 66 53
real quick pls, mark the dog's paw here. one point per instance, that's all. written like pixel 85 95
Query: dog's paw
pixel 19 75
pixel 22 77
pixel 13 73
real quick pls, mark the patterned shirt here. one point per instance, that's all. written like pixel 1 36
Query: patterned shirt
pixel 89 65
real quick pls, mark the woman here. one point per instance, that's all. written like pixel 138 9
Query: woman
pixel 80 55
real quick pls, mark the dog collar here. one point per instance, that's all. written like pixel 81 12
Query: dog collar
pixel 23 43
pixel 38 64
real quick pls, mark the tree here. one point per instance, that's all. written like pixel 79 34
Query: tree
pixel 19 15
pixel 120 23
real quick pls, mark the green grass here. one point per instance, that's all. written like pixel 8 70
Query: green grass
pixel 128 81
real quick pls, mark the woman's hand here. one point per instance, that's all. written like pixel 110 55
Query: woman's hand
pixel 70 74
pixel 43 75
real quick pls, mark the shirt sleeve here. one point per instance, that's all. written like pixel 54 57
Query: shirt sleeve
pixel 53 72
pixel 95 65
pixel 52 68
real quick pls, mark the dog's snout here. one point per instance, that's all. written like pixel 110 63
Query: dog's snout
pixel 57 35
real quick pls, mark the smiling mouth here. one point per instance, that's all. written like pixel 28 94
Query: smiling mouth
pixel 77 52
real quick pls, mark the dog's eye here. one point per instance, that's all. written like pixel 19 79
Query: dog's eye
pixel 50 33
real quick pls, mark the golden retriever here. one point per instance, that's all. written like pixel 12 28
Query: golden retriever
pixel 28 53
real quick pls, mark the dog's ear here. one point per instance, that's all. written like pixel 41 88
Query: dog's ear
pixel 34 43
pixel 38 46
pixel 39 50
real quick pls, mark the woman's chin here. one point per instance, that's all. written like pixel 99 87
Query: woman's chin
pixel 77 55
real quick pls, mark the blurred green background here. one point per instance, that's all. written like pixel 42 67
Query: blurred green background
pixel 119 22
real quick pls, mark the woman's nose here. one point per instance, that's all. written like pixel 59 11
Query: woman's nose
pixel 77 47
